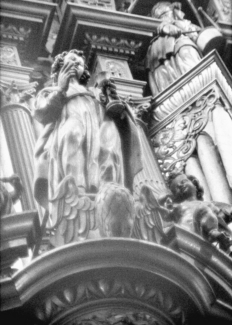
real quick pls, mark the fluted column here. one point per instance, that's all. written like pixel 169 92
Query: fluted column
pixel 193 167
pixel 20 138
pixel 213 169
pixel 223 136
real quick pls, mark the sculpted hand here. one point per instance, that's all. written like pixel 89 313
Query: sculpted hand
pixel 169 29
pixel 109 89
pixel 66 72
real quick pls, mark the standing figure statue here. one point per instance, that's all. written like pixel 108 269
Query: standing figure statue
pixel 81 151
pixel 174 51
pixel 188 210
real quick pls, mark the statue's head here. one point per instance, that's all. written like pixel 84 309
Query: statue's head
pixel 165 10
pixel 78 58
pixel 184 186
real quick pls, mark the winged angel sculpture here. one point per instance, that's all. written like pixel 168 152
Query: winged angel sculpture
pixel 157 210
pixel 86 156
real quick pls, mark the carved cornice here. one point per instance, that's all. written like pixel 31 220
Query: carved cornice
pixel 103 43
pixel 21 75
pixel 79 279
pixel 184 91
pixel 28 23
pixel 78 20
pixel 103 4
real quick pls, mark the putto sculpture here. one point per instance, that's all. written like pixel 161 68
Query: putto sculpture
pixel 207 219
pixel 182 204
pixel 81 151
pixel 173 51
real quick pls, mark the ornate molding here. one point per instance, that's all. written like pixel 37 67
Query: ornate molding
pixel 117 288
pixel 80 19
pixel 14 33
pixel 113 45
pixel 113 318
pixel 16 94
pixel 103 4
pixel 26 23
pixel 83 278
pixel 175 143
pixel 181 93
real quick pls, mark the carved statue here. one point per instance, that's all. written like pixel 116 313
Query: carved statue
pixel 174 51
pixel 187 209
pixel 7 199
pixel 182 204
pixel 81 149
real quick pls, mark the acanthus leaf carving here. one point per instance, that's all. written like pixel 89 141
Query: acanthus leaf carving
pixel 111 288
pixel 16 94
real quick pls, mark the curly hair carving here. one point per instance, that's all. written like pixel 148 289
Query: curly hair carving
pixel 193 179
pixel 59 62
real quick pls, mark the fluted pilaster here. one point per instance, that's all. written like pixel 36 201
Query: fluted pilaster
pixel 20 138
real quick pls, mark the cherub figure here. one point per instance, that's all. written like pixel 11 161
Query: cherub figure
pixel 187 209
pixel 182 203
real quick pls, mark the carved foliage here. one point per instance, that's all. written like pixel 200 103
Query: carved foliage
pixel 16 94
pixel 96 290
pixel 112 44
pixel 15 33
pixel 175 143
pixel 8 55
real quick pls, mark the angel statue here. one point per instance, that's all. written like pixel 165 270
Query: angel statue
pixel 208 219
pixel 173 51
pixel 85 158
pixel 183 205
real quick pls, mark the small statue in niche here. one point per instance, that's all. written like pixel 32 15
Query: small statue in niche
pixel 174 51
pixel 187 209
pixel 81 151
pixel 8 199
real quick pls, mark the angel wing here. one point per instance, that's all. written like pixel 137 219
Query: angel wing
pixel 152 219
pixel 72 213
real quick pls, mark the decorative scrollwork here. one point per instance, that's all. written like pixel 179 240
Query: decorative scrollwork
pixel 175 143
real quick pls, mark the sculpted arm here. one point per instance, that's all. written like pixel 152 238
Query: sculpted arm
pixel 50 101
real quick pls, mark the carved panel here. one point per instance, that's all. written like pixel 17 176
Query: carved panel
pixel 9 55
pixel 14 33
pixel 175 143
